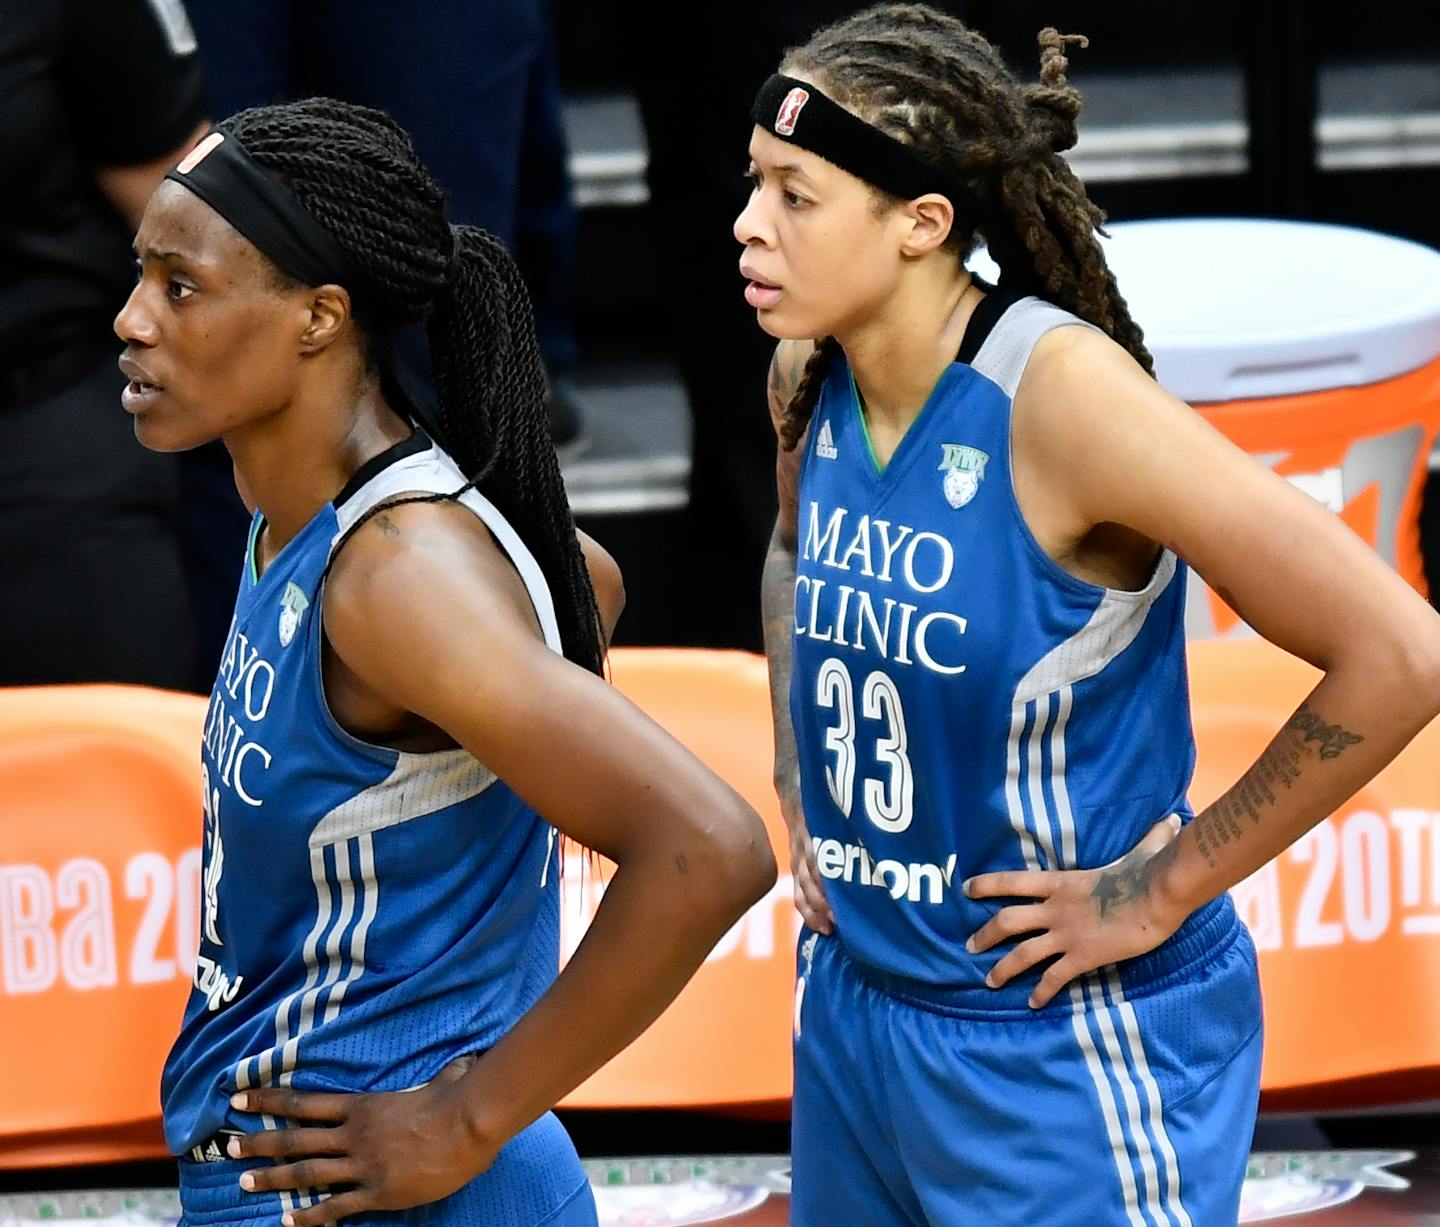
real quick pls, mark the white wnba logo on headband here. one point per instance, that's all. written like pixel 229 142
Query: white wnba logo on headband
pixel 200 152
pixel 789 112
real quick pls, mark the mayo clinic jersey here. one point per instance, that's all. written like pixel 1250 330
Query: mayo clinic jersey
pixel 961 704
pixel 368 915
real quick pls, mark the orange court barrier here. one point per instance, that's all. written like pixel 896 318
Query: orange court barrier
pixel 725 1041
pixel 1347 920
pixel 99 890
pixel 99 896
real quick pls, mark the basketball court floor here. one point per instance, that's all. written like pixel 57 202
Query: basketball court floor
pixel 1317 1188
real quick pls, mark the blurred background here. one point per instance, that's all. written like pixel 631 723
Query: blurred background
pixel 605 140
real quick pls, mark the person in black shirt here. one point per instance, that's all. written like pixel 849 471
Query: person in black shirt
pixel 98 98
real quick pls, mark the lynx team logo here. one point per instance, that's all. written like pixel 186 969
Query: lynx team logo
pixel 292 608
pixel 964 467
pixel 789 113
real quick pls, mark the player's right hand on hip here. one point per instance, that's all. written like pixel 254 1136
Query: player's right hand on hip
pixel 810 899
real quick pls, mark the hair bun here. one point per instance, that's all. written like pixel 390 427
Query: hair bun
pixel 1053 106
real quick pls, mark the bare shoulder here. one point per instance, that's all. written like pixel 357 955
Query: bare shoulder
pixel 406 554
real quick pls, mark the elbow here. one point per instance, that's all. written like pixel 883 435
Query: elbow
pixel 1410 665
pixel 741 859
pixel 1424 668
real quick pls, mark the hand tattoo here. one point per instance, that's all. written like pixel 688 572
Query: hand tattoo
pixel 1130 880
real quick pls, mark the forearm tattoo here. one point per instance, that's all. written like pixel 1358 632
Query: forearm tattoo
pixel 1130 880
pixel 1304 738
pixel 1332 739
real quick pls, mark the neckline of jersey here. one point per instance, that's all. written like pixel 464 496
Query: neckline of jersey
pixel 987 313
pixel 414 443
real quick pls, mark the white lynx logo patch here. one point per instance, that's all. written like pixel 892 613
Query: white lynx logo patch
pixel 293 605
pixel 964 468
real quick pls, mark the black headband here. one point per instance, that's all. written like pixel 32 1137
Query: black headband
pixel 245 194
pixel 797 112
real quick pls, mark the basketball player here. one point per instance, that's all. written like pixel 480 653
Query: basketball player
pixel 1022 996
pixel 411 680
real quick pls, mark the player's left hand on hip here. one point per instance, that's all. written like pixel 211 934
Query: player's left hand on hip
pixel 1082 918
pixel 371 1152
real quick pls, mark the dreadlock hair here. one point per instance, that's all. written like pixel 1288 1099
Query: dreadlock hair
pixel 927 79
pixel 357 172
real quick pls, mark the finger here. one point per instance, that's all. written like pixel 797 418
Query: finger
pixel 294 1105
pixel 307 1174
pixel 1056 978
pixel 1022 959
pixel 816 907
pixel 282 1143
pixel 328 1209
pixel 1007 923
pixel 810 903
pixel 1013 884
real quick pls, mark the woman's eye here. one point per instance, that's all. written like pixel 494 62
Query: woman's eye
pixel 794 201
pixel 178 291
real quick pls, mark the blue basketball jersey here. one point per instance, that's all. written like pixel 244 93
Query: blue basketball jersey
pixel 368 915
pixel 961 703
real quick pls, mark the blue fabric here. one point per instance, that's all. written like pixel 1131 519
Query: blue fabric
pixel 961 704
pixel 535 1181
pixel 367 916
pixel 1133 1107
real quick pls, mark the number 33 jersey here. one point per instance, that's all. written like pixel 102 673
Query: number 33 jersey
pixel 962 704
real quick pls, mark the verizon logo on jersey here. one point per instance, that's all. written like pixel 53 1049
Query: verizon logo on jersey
pixel 917 881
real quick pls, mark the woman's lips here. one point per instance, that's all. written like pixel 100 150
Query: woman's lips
pixel 139 396
pixel 760 296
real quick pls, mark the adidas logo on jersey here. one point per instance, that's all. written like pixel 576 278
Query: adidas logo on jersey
pixel 825 443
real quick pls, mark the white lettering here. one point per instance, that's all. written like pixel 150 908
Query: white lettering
pixel 249 748
pixel 924 653
pixel 87 945
pixel 887 547
pixel 815 541
pixel 27 908
pixel 947 562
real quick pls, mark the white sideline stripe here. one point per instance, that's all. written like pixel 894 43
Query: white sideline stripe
pixel 371 892
pixel 1123 1162
pixel 1132 1101
pixel 1036 774
pixel 1174 1199
pixel 1012 788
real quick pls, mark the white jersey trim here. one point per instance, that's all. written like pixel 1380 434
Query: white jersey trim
pixel 433 472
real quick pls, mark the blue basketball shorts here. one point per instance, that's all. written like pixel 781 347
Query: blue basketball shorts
pixel 1128 1101
pixel 536 1181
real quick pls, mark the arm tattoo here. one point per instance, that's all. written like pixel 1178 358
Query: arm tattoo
pixel 387 525
pixel 1278 769
pixel 1129 880
pixel 1334 740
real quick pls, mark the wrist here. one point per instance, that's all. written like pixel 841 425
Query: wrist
pixel 482 1131
pixel 1172 895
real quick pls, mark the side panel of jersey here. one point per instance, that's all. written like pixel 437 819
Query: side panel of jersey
pixel 961 704
pixel 367 915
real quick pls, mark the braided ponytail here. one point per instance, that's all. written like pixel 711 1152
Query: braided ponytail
pixel 807 392
pixel 357 172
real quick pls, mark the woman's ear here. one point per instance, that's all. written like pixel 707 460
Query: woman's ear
pixel 328 312
pixel 930 218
